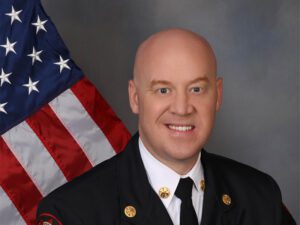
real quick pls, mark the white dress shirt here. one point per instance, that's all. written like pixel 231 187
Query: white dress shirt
pixel 159 175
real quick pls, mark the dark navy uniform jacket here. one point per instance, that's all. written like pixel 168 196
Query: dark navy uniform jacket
pixel 100 196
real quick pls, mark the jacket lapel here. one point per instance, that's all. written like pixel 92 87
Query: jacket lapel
pixel 217 209
pixel 135 190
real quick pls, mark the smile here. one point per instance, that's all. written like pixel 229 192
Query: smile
pixel 180 128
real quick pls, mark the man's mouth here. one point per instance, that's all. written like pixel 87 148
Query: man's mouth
pixel 181 128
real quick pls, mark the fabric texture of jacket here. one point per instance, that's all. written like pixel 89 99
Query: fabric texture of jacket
pixel 235 194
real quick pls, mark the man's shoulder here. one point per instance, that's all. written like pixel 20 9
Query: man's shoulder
pixel 80 198
pixel 239 175
pixel 97 179
pixel 224 165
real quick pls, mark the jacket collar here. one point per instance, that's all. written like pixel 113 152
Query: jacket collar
pixel 135 190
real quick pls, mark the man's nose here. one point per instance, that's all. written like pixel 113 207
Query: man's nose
pixel 181 104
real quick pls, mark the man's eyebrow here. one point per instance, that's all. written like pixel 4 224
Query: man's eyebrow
pixel 164 82
pixel 199 79
pixel 157 82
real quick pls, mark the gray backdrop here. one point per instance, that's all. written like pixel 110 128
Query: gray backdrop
pixel 257 45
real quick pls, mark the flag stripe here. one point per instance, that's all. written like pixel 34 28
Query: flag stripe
pixel 17 184
pixel 10 215
pixel 102 114
pixel 62 147
pixel 34 158
pixel 78 122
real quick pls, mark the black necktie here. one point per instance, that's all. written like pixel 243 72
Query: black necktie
pixel 183 191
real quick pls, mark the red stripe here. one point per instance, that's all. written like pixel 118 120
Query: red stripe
pixel 17 184
pixel 59 142
pixel 102 114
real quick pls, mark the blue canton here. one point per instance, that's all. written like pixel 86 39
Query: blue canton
pixel 34 62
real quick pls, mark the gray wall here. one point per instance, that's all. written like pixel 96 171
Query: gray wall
pixel 257 45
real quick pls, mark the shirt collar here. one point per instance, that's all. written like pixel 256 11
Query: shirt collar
pixel 159 175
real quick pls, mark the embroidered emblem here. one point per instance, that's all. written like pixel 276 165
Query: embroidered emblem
pixel 47 223
pixel 48 219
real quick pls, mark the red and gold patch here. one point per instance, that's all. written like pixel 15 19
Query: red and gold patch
pixel 48 219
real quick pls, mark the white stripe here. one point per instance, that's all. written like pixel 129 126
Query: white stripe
pixel 34 158
pixel 9 215
pixel 82 127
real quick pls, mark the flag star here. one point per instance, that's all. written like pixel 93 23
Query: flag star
pixel 62 64
pixel 2 107
pixel 4 77
pixel 9 47
pixel 31 86
pixel 40 24
pixel 14 15
pixel 35 55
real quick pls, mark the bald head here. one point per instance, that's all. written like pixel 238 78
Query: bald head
pixel 171 43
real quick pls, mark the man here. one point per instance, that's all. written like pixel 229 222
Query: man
pixel 162 177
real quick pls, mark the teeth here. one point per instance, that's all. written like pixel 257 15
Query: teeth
pixel 180 128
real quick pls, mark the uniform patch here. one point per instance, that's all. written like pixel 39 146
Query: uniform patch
pixel 48 219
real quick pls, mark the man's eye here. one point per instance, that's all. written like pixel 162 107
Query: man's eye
pixel 196 89
pixel 163 90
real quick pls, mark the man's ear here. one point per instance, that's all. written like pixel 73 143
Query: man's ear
pixel 133 97
pixel 219 93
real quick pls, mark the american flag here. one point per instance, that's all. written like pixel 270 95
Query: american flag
pixel 54 124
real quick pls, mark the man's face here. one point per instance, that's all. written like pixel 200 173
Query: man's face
pixel 176 95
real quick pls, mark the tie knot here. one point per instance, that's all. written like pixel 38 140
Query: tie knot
pixel 184 188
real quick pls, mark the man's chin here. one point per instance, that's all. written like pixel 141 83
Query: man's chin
pixel 182 151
